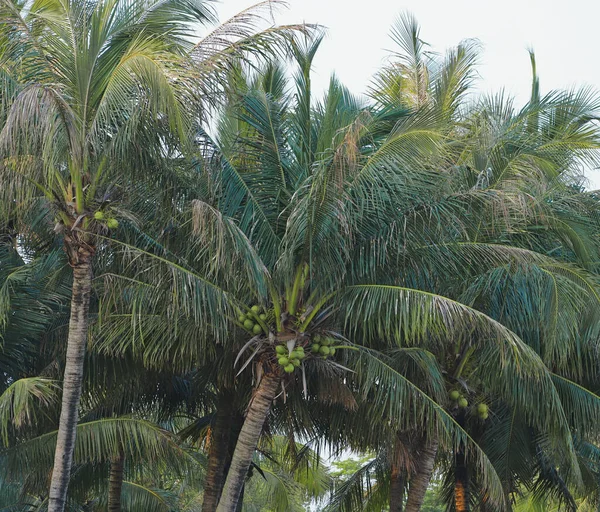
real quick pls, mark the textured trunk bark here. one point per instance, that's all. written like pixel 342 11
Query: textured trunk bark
pixel 241 500
pixel 218 454
pixel 420 480
pixel 77 338
pixel 461 486
pixel 247 441
pixel 396 489
pixel 115 482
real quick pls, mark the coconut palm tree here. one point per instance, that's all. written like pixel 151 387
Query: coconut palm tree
pixel 567 138
pixel 324 212
pixel 83 83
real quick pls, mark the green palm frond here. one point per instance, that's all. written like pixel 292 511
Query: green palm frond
pixel 136 496
pixel 248 35
pixel 413 56
pixel 455 77
pixel 191 292
pixel 405 317
pixel 358 490
pixel 23 400
pixel 240 201
pixel 98 442
pixel 580 404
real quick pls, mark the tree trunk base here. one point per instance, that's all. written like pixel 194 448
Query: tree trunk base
pixel 420 480
pixel 248 440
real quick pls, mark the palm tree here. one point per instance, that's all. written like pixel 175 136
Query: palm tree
pixel 86 84
pixel 566 136
pixel 306 203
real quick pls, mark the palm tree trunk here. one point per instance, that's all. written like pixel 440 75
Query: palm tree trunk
pixel 218 454
pixel 115 482
pixel 396 489
pixel 461 485
pixel 461 474
pixel 419 481
pixel 247 441
pixel 73 377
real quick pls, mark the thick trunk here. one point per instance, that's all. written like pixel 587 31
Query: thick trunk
pixel 218 454
pixel 396 489
pixel 419 481
pixel 78 326
pixel 115 482
pixel 247 441
pixel 461 486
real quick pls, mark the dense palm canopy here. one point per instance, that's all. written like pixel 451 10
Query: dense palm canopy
pixel 411 275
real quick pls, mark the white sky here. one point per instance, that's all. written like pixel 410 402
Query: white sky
pixel 563 34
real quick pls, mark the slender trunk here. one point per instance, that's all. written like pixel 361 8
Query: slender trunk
pixel 115 482
pixel 419 481
pixel 461 486
pixel 396 489
pixel 218 454
pixel 247 441
pixel 78 326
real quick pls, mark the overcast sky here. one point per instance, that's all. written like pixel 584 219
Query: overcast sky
pixel 564 36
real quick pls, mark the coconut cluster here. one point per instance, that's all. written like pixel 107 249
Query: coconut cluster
pixel 289 360
pixel 255 321
pixel 463 403
pixel 106 218
pixel 322 346
pixel 482 411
